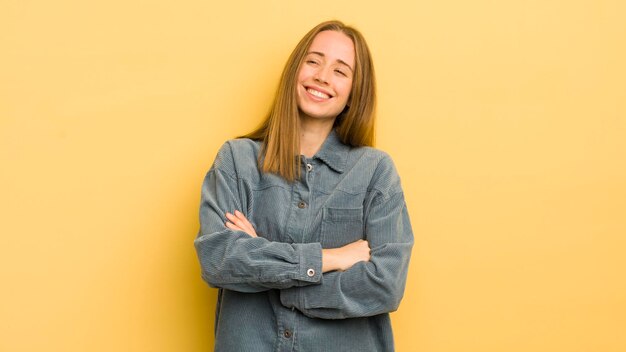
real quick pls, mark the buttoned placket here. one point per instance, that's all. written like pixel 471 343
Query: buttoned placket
pixel 297 226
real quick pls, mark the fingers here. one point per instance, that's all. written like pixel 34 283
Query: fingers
pixel 343 258
pixel 360 250
pixel 239 222
pixel 232 226
pixel 365 250
pixel 243 219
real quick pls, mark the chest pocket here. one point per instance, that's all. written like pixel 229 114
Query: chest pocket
pixel 341 226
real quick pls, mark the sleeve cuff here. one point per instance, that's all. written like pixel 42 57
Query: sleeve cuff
pixel 310 270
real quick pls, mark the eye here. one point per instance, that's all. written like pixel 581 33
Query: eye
pixel 341 72
pixel 312 62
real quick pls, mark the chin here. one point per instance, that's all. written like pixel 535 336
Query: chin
pixel 317 116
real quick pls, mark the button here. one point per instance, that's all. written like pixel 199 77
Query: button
pixel 302 205
pixel 287 334
pixel 309 167
pixel 310 272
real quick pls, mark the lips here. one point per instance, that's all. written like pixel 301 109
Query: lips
pixel 318 93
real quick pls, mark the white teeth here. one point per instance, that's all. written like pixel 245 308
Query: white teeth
pixel 317 93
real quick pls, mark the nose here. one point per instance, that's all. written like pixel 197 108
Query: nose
pixel 321 75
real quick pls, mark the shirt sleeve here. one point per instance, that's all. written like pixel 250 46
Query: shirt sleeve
pixel 233 259
pixel 367 288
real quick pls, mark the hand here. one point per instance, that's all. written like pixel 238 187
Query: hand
pixel 238 222
pixel 343 258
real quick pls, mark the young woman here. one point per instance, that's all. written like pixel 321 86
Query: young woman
pixel 304 227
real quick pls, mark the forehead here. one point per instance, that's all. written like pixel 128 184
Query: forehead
pixel 335 46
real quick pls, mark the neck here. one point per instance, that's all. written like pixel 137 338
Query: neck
pixel 313 133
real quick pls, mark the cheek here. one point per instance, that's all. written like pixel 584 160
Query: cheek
pixel 304 73
pixel 346 89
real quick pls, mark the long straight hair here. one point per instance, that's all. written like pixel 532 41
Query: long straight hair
pixel 279 132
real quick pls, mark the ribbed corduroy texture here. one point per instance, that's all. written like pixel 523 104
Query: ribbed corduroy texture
pixel 273 296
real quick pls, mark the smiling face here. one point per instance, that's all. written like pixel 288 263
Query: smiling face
pixel 325 77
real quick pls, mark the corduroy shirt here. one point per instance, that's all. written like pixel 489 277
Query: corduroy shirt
pixel 272 293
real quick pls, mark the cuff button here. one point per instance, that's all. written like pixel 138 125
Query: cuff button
pixel 310 272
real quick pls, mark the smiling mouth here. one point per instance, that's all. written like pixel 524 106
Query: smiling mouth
pixel 317 93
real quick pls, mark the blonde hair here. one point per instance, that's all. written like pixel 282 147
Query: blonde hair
pixel 279 132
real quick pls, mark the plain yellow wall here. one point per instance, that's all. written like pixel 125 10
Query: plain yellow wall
pixel 506 119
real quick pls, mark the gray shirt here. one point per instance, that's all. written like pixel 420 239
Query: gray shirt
pixel 272 293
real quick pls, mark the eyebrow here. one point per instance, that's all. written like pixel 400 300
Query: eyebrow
pixel 338 60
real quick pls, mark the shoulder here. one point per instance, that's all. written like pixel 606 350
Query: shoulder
pixel 373 154
pixel 242 146
pixel 239 146
pixel 385 178
pixel 235 154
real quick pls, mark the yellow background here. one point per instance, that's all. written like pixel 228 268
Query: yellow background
pixel 506 119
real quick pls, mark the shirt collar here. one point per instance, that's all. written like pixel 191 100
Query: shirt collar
pixel 333 152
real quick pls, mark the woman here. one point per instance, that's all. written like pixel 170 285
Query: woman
pixel 304 228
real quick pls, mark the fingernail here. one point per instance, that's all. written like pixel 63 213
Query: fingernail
pixel 237 212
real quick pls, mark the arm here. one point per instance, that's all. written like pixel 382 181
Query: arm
pixel 341 258
pixel 234 260
pixel 369 287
